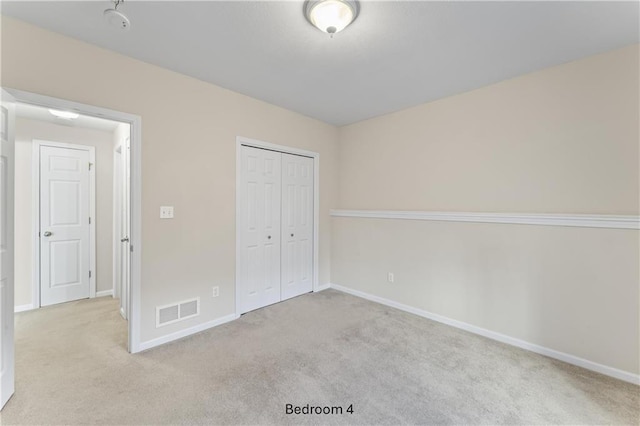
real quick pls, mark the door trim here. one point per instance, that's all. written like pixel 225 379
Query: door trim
pixel 135 121
pixel 35 207
pixel 242 141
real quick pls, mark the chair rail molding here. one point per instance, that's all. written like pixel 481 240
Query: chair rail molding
pixel 573 220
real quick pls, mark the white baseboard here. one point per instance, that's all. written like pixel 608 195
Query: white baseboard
pixel 551 353
pixel 104 293
pixel 322 287
pixel 22 308
pixel 186 332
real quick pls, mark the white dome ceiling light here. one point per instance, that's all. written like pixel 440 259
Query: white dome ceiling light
pixel 331 16
pixel 116 19
pixel 65 115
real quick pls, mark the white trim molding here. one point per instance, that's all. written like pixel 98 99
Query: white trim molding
pixel 574 220
pixel 186 332
pixel 23 308
pixel 551 353
pixel 104 293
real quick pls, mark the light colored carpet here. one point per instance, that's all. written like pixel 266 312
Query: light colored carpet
pixel 324 349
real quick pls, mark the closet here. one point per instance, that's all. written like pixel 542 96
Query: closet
pixel 275 227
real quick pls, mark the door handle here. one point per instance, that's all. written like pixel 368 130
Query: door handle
pixel 48 234
pixel 125 240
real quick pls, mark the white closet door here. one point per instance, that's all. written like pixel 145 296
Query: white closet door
pixel 297 225
pixel 260 228
pixel 64 225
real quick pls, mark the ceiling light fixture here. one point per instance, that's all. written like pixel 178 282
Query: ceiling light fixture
pixel 331 16
pixel 66 115
pixel 115 18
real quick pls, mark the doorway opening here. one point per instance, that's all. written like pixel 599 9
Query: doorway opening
pixel 68 221
pixel 114 225
pixel 72 209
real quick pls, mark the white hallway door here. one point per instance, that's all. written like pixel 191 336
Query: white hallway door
pixel 276 227
pixel 7 129
pixel 64 224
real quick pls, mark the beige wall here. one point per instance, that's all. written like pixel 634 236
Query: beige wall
pixel 574 290
pixel 189 130
pixel 562 140
pixel 26 131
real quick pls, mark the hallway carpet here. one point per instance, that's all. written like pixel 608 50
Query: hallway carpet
pixel 327 350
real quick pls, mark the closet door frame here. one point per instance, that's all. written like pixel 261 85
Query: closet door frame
pixel 242 141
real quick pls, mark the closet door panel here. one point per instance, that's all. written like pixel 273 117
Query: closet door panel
pixel 297 225
pixel 260 204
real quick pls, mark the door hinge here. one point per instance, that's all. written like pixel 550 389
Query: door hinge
pixel 131 248
pixel 90 164
pixel 89 274
pixel 89 220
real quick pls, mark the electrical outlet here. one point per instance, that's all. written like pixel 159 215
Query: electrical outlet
pixel 390 277
pixel 216 291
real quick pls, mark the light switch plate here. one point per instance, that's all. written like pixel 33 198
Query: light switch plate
pixel 166 212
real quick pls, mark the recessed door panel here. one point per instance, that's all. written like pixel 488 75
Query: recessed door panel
pixel 269 167
pixel 254 272
pixel 65 203
pixel 305 207
pixel 305 260
pixel 290 260
pixel 65 263
pixel 270 220
pixel 289 207
pixel 252 206
pixel 64 224
pixel 270 273
pixel 59 163
pixel 252 164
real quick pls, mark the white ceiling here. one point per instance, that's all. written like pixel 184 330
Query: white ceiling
pixel 39 113
pixel 395 55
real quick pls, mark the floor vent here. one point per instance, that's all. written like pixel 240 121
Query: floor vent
pixel 168 314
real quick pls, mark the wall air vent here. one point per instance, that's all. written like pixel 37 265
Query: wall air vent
pixel 189 309
pixel 168 314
